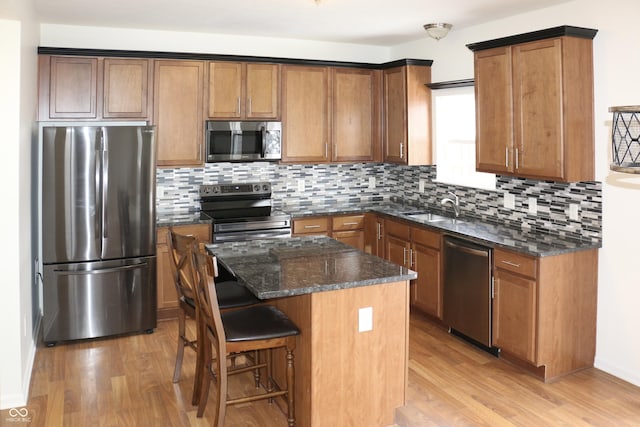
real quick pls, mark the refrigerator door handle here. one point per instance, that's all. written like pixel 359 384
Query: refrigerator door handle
pixel 104 161
pixel 102 270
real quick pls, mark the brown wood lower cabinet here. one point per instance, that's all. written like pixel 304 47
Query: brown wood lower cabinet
pixel 544 310
pixel 417 248
pixel 166 288
pixel 348 229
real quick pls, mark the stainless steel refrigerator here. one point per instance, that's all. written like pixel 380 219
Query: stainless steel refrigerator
pixel 98 231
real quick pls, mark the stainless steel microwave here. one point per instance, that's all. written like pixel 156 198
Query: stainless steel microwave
pixel 243 141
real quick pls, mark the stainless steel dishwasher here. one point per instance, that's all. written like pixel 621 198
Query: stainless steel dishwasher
pixel 467 294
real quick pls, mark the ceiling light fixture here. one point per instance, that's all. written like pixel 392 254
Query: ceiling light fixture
pixel 437 31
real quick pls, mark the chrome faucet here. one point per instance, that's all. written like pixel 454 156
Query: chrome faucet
pixel 455 202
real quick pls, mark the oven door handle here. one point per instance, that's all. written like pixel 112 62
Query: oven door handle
pixel 264 141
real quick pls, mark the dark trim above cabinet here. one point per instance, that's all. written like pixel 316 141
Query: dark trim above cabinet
pixel 59 51
pixel 564 30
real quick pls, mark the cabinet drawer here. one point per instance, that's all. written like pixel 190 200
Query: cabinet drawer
pixel 310 225
pixel 348 222
pixel 200 231
pixel 397 229
pixel 515 262
pixel 426 237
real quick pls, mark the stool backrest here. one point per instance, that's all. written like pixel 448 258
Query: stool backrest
pixel 181 249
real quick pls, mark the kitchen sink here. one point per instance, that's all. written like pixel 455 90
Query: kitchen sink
pixel 431 217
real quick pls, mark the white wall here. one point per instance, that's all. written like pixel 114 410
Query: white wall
pixel 616 60
pixel 17 114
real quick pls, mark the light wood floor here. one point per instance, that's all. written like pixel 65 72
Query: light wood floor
pixel 127 382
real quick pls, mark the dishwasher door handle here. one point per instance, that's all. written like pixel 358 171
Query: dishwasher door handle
pixel 467 249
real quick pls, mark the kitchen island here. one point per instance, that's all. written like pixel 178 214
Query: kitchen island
pixel 353 311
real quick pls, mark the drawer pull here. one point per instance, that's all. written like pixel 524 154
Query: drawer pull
pixel 349 223
pixel 311 226
pixel 513 264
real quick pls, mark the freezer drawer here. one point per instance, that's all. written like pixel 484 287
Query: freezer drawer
pixel 97 299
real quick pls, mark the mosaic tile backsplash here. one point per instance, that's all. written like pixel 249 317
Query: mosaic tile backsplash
pixel 306 185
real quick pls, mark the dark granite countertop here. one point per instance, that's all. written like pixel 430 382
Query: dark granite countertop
pixel 535 243
pixel 301 265
pixel 180 218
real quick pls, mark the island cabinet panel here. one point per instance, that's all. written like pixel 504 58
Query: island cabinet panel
pixel 534 109
pixel 347 383
pixel 544 310
pixel 305 114
pixel 168 304
pixel 177 112
pixel 348 229
pixel 238 90
pixel 407 115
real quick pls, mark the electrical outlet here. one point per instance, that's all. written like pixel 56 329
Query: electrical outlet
pixel 574 212
pixel 533 205
pixel 365 319
pixel 421 185
pixel 509 201
pixel 301 185
pixel 372 182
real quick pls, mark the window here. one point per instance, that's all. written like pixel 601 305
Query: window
pixel 454 130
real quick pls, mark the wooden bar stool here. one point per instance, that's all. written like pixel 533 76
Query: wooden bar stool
pixel 231 295
pixel 255 328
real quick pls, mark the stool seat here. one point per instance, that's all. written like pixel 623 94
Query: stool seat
pixel 257 323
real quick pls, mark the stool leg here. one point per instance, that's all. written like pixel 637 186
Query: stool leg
pixel 291 418
pixel 256 371
pixel 205 379
pixel 200 362
pixel 180 352
pixel 269 373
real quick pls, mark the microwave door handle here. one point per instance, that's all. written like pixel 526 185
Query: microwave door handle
pixel 264 141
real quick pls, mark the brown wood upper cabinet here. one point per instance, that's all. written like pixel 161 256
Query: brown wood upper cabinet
pixel 94 88
pixel 239 90
pixel 177 112
pixel 330 114
pixel 534 109
pixel 407 115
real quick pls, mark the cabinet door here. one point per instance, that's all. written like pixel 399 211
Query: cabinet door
pixel 427 294
pixel 395 115
pixel 73 88
pixel 397 250
pixel 166 288
pixel 263 91
pixel 306 226
pixel 494 111
pixel 355 93
pixel 177 112
pixel 538 108
pixel 305 109
pixel 353 238
pixel 514 314
pixel 226 97
pixel 373 235
pixel 126 88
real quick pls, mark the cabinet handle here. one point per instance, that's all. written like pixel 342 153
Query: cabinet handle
pixel 404 256
pixel 506 157
pixel 401 150
pixel 238 106
pixel 349 223
pixel 311 226
pixel 335 150
pixel 414 258
pixel 250 109
pixel 516 158
pixel 200 151
pixel 512 264
pixel 326 150
pixel 379 231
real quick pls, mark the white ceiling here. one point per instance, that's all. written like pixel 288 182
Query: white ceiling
pixel 369 22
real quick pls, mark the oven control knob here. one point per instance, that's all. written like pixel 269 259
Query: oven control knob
pixel 215 189
pixel 265 187
pixel 256 188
